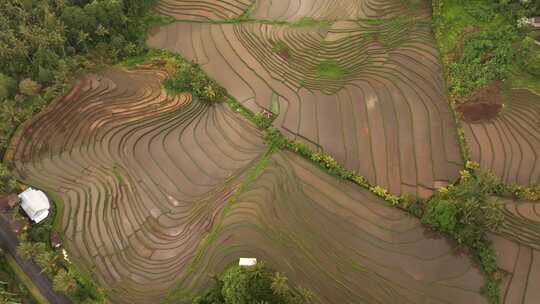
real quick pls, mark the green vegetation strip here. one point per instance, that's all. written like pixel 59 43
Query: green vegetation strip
pixel 23 278
pixel 177 292
pixel 462 211
pixel 58 204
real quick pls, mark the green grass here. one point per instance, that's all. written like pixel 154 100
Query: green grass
pixel 330 69
pixel 58 210
pixel 522 80
pixel 311 22
pixel 450 24
pixel 153 19
pixel 280 46
pixel 23 278
pixel 118 175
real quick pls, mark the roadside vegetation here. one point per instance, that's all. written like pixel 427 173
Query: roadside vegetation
pixel 12 290
pixel 481 41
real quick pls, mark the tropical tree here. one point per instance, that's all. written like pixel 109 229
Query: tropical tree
pixel 26 250
pixel 64 282
pixel 47 260
pixel 29 87
pixel 7 86
pixel 279 284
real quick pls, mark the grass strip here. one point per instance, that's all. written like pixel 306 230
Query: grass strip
pixel 178 293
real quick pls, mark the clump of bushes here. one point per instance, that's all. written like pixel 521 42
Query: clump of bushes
pixel 531 193
pixel 486 56
pixel 189 77
pixel 325 161
pixel 330 69
pixel 466 212
pixel 253 284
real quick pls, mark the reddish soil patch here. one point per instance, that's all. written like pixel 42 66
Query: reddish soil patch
pixel 284 54
pixel 484 104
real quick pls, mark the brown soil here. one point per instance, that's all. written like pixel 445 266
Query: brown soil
pixel 484 104
pixel 285 54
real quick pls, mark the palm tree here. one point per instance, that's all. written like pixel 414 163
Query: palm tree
pixel 26 250
pixel 63 281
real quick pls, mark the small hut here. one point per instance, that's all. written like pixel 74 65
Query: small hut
pixel 56 241
pixel 35 204
pixel 247 261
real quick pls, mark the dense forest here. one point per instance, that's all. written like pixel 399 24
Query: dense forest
pixel 45 43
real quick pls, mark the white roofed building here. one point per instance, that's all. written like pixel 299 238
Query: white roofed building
pixel 247 261
pixel 36 204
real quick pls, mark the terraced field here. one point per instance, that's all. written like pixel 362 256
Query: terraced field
pixel 196 10
pixel 338 240
pixel 145 176
pixel 142 175
pixel 285 10
pixel 509 145
pixel 369 91
pixel 294 10
pixel 518 248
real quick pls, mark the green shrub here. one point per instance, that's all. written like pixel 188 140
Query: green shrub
pixel 531 193
pixel 64 282
pixel 466 212
pixel 253 284
pixel 486 56
pixel 7 86
pixel 330 69
pixel 189 78
pixel 29 87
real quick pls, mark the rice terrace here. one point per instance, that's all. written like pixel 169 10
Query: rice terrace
pixel 362 151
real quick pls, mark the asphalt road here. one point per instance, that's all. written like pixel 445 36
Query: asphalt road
pixel 8 242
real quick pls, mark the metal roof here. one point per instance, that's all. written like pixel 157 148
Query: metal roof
pixel 35 203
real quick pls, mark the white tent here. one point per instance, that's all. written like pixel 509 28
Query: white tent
pixel 247 261
pixel 36 204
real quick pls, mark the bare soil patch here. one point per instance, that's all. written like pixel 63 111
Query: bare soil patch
pixel 484 104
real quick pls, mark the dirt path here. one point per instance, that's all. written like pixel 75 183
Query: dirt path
pixel 8 242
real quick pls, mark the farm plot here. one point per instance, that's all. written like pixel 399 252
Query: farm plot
pixel 295 10
pixel 518 252
pixel 203 10
pixel 369 92
pixel 509 145
pixel 336 239
pixel 142 175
